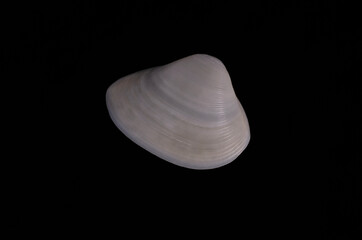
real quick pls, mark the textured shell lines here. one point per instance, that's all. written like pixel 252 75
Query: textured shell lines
pixel 185 112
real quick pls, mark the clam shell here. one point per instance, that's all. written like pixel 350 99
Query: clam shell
pixel 185 112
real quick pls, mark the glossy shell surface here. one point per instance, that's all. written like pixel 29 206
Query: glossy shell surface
pixel 185 112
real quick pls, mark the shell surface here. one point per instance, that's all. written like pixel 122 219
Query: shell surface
pixel 185 112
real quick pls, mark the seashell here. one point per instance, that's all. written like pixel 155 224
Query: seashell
pixel 185 112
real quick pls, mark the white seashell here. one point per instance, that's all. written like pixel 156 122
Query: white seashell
pixel 185 112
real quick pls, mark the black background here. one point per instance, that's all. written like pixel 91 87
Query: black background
pixel 295 66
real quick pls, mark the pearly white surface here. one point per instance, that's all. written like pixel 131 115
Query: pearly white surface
pixel 185 112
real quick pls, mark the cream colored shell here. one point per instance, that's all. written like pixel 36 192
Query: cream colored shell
pixel 185 112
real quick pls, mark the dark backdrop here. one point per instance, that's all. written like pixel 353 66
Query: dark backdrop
pixel 295 68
